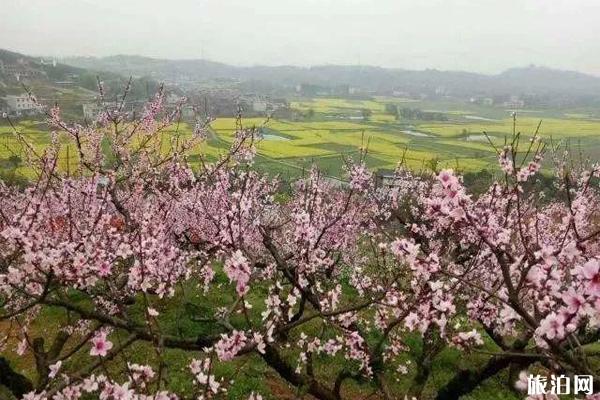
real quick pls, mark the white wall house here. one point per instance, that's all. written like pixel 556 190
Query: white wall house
pixel 259 106
pixel 21 103
pixel 91 111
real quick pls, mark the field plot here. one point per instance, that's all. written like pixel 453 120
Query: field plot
pixel 13 152
pixel 335 130
pixel 461 141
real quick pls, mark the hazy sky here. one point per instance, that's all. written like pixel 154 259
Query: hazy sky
pixel 474 35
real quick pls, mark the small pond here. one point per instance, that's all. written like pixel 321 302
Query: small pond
pixel 476 138
pixel 415 133
pixel 478 118
pixel 274 137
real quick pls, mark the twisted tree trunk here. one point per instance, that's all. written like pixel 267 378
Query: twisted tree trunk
pixel 465 381
pixel 16 383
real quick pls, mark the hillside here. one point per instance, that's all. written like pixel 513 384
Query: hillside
pixel 548 85
pixel 54 82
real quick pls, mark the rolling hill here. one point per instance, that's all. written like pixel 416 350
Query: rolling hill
pixel 68 86
pixel 551 85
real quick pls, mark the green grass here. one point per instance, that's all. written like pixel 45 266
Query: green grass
pixel 550 128
pixel 249 372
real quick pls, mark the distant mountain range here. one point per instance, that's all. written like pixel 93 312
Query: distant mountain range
pixel 538 86
pixel 527 81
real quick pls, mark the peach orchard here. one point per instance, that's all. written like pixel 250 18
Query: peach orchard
pixel 323 273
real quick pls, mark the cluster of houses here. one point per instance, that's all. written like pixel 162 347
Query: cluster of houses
pixel 14 73
pixel 213 104
pixel 510 102
pixel 20 70
pixel 227 103
pixel 263 105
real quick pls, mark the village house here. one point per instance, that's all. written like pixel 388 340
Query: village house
pixel 21 104
pixel 20 70
pixel 259 106
pixel 385 178
pixel 91 110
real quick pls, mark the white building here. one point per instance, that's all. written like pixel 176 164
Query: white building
pixel 21 103
pixel 259 106
pixel 386 178
pixel 188 112
pixel 514 103
pixel 173 99
pixel 91 111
